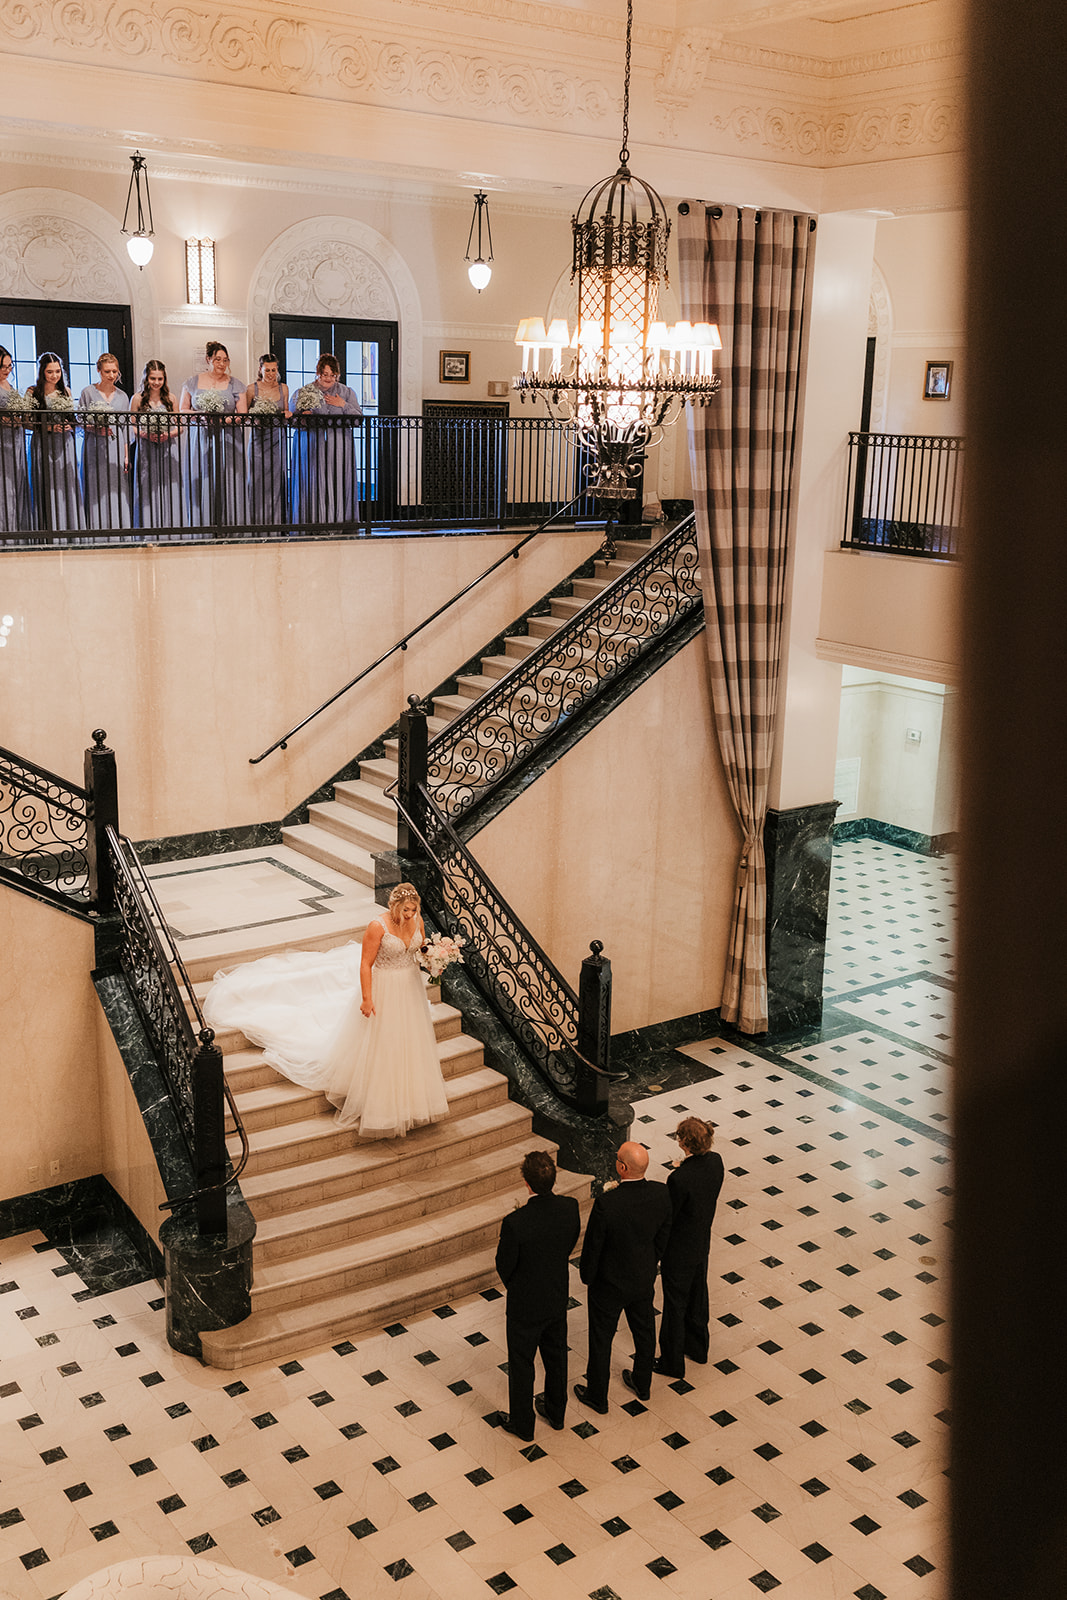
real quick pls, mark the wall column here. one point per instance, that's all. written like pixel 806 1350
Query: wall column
pixel 799 826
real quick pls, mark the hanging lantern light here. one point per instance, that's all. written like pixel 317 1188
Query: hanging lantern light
pixel 631 375
pixel 479 271
pixel 139 239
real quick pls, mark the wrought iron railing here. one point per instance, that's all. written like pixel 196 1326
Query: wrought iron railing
pixel 564 1037
pixel 505 725
pixel 44 834
pixel 905 494
pixel 189 475
pixel 182 1043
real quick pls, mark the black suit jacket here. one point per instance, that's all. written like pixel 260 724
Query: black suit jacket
pixel 532 1256
pixel 625 1238
pixel 694 1187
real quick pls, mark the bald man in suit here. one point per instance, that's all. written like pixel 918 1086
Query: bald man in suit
pixel 624 1240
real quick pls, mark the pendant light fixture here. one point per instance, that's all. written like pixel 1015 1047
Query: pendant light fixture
pixel 631 374
pixel 479 271
pixel 139 239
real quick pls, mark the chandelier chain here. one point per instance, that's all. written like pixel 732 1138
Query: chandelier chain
pixel 624 153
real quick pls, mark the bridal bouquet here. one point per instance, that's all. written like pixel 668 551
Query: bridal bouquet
pixel 155 425
pixel 307 398
pixel 59 402
pixel 439 953
pixel 13 405
pixel 264 408
pixel 96 424
pixel 210 401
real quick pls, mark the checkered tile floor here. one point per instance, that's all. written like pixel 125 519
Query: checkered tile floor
pixel 806 1460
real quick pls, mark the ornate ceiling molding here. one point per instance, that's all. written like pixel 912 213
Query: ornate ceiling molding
pixel 57 244
pixel 869 134
pixel 343 268
pixel 314 58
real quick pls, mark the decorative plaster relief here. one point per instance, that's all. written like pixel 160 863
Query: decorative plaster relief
pixel 59 245
pixel 297 57
pixel 873 132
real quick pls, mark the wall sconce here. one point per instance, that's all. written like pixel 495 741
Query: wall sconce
pixel 479 271
pixel 200 272
pixel 139 241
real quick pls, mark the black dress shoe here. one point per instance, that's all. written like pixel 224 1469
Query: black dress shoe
pixel 664 1371
pixel 582 1393
pixel 509 1427
pixel 628 1380
pixel 539 1407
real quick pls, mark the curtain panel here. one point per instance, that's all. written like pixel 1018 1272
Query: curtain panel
pixel 750 272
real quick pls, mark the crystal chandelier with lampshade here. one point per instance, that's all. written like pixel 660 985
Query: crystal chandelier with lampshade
pixel 630 374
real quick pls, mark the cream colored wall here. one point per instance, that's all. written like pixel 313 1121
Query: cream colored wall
pixel 923 260
pixel 896 613
pixel 901 781
pixel 49 1084
pixel 126 1158
pixel 630 839
pixel 195 658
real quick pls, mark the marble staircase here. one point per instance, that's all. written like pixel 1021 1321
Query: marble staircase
pixel 344 832
pixel 354 1235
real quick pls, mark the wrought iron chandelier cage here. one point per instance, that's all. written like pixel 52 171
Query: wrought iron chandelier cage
pixel 631 374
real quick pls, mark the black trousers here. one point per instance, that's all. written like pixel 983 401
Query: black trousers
pixel 684 1327
pixel 525 1341
pixel 606 1306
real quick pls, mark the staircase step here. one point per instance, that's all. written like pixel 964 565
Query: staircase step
pixel 474 684
pixel 357 827
pixel 610 570
pixel 399 1251
pixel 357 1166
pixel 295 935
pixel 321 844
pixel 380 772
pixel 366 797
pixel 631 550
pixel 244 1062
pixel 587 588
pixel 386 1205
pixel 542 627
pixel 311 1137
pixel 519 645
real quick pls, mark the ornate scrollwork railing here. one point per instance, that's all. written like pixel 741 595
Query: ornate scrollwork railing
pixel 527 992
pixel 507 723
pixel 182 1043
pixel 44 832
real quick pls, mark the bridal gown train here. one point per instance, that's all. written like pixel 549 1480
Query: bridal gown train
pixel 302 1007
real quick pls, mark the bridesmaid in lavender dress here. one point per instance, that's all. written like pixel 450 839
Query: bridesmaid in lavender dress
pixel 105 449
pixel 159 478
pixel 14 479
pixel 324 464
pixel 215 464
pixel 57 500
pixel 268 407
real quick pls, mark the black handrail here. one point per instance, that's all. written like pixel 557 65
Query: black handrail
pixel 402 644
pixel 154 970
pixel 44 834
pixel 528 993
pixel 473 754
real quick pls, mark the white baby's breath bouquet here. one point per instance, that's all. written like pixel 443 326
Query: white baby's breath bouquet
pixel 262 407
pixel 307 398
pixel 59 402
pixel 14 403
pixel 95 423
pixel 439 953
pixel 210 402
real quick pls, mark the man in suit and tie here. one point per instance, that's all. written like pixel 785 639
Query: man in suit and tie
pixel 625 1238
pixel 532 1259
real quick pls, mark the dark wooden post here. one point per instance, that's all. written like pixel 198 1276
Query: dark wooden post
pixel 102 787
pixel 413 773
pixel 209 1133
pixel 594 1029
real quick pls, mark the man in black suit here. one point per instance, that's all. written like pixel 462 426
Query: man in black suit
pixel 532 1260
pixel 626 1235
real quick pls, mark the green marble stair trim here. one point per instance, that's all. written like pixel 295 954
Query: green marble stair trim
pixel 923 844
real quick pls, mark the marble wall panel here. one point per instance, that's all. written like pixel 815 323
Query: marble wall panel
pixel 127 1160
pixel 195 658
pixel 49 1086
pixel 631 839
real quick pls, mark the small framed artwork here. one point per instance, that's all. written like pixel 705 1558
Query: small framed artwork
pixel 938 381
pixel 455 366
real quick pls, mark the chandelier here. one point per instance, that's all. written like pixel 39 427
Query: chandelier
pixel 630 375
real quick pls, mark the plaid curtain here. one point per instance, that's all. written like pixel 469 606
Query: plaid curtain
pixel 749 272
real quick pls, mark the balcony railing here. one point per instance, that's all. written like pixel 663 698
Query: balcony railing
pixel 86 474
pixel 905 494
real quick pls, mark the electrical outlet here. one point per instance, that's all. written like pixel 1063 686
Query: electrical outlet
pixel 53 1169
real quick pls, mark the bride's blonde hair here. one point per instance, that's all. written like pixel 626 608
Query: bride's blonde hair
pixel 402 893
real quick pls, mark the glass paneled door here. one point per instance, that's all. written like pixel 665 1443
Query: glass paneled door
pixel 367 355
pixel 78 334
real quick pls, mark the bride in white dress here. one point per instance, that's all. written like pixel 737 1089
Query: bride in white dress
pixel 373 1054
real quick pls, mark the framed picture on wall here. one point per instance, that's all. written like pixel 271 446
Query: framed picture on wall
pixel 938 381
pixel 455 366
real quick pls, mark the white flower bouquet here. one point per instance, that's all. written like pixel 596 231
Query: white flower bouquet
pixel 59 402
pixel 439 953
pixel 96 424
pixel 307 398
pixel 266 409
pixel 155 425
pixel 210 401
pixel 13 405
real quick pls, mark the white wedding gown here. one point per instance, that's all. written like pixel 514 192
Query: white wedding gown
pixel 302 1007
